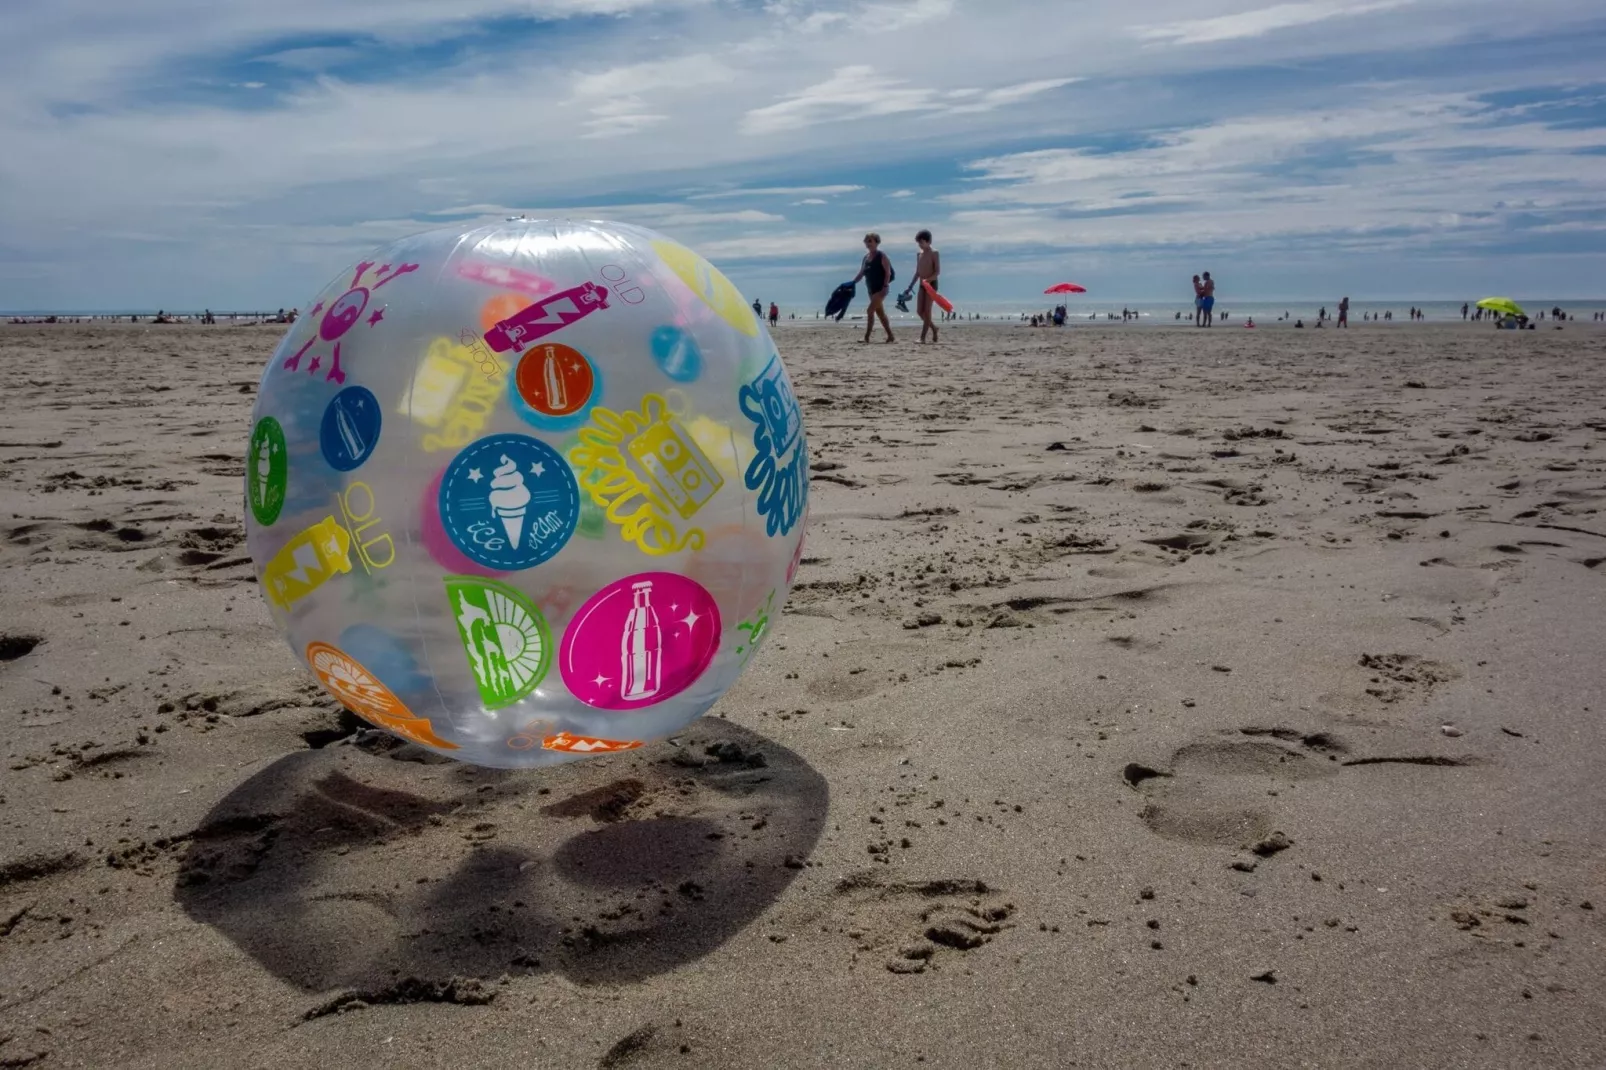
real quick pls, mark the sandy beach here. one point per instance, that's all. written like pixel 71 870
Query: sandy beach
pixel 1148 698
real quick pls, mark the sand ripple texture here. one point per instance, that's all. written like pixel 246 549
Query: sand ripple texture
pixel 1147 698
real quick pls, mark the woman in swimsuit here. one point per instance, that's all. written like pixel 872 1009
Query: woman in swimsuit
pixel 876 271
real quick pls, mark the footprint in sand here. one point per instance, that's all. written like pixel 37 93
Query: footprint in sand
pixel 15 645
pixel 1215 791
pixel 916 924
pixel 1211 791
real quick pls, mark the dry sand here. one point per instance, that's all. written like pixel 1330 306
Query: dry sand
pixel 1149 697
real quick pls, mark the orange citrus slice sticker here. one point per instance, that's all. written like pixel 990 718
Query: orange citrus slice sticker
pixel 344 678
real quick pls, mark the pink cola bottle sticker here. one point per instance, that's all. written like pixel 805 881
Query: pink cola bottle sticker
pixel 639 641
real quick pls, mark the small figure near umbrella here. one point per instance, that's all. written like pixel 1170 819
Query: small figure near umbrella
pixel 1513 317
pixel 1060 311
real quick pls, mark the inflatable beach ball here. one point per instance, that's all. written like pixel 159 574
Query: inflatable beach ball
pixel 528 492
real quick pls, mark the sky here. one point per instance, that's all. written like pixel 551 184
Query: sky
pixel 238 154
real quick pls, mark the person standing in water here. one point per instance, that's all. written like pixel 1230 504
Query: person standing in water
pixel 876 271
pixel 928 266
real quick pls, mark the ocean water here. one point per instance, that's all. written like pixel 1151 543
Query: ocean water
pixel 1083 310
pixel 1160 313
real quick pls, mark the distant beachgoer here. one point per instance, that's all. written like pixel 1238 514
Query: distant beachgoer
pixel 928 269
pixel 1300 324
pixel 876 271
pixel 1463 310
pixel 1198 302
pixel 1343 313
pixel 775 313
pixel 1207 300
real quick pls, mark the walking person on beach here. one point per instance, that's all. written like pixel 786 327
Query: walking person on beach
pixel 876 271
pixel 928 266
pixel 1198 302
pixel 1343 313
pixel 1207 300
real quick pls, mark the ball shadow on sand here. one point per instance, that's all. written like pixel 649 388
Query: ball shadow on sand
pixel 340 869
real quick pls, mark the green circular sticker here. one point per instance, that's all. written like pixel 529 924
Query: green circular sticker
pixel 266 470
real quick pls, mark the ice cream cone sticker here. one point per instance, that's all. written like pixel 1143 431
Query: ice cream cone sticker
pixel 364 695
pixel 509 502
pixel 510 499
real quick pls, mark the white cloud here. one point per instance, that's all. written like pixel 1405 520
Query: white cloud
pixel 900 14
pixel 111 113
pixel 698 69
pixel 990 99
pixel 862 92
pixel 1420 165
pixel 1259 22
pixel 902 193
pixel 778 191
pixel 615 97
pixel 854 92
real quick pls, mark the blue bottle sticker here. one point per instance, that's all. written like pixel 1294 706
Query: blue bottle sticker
pixel 677 354
pixel 509 502
pixel 350 429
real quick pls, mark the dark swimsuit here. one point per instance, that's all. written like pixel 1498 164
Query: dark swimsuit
pixel 875 273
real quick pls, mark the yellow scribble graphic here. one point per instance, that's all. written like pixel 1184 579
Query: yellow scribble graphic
pixel 647 475
pixel 454 392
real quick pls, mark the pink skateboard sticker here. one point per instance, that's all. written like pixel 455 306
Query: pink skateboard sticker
pixel 506 277
pixel 542 318
pixel 639 641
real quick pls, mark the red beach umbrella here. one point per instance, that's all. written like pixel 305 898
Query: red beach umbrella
pixel 1066 288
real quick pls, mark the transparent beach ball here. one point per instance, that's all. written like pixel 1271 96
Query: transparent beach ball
pixel 527 492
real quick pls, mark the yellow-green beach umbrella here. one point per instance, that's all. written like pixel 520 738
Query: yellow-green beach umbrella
pixel 1504 305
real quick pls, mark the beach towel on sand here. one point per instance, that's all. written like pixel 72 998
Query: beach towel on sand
pixel 841 297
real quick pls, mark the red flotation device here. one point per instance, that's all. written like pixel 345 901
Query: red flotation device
pixel 942 302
